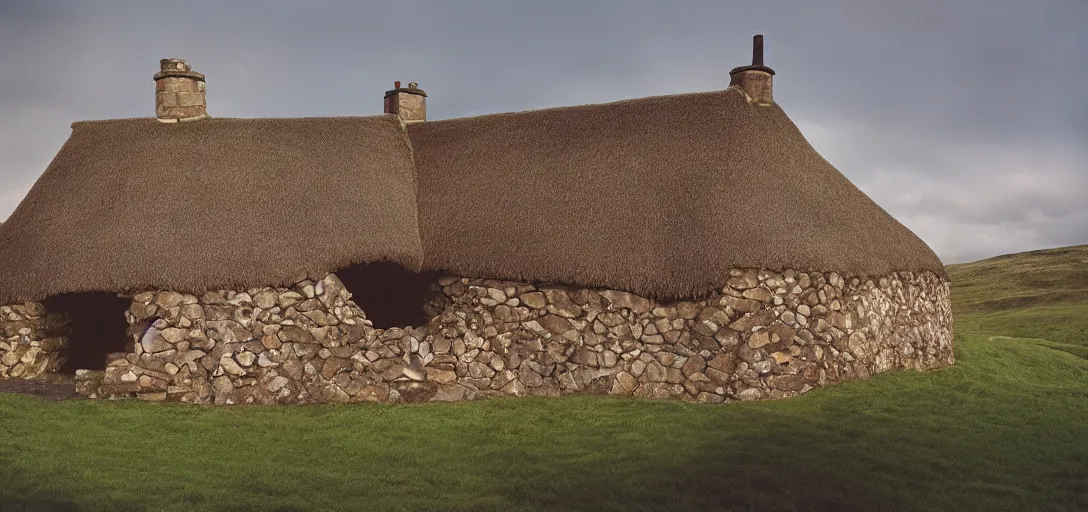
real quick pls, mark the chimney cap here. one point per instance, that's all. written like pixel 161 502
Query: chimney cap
pixel 413 88
pixel 176 67
pixel 757 58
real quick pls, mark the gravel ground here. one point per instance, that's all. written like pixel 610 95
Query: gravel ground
pixel 53 387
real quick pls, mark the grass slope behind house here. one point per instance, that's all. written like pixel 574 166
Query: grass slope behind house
pixel 1037 294
pixel 1002 429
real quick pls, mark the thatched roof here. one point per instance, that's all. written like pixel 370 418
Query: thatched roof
pixel 659 196
pixel 220 203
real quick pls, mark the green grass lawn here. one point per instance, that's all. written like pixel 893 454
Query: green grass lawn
pixel 1037 294
pixel 1003 429
pixel 1066 324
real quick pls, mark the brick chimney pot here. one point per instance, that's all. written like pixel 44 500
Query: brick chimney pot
pixel 179 92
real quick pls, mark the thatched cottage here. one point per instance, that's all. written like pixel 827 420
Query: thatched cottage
pixel 692 246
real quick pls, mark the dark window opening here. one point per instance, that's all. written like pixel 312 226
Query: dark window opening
pixel 97 325
pixel 389 295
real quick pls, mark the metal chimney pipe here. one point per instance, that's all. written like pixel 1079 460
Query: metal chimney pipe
pixel 757 50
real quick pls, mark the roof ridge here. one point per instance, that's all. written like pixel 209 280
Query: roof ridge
pixel 730 89
pixel 215 119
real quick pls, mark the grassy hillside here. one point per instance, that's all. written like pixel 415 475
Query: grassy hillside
pixel 1038 294
pixel 1002 429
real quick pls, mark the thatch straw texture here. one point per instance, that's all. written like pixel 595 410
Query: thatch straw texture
pixel 220 203
pixel 660 196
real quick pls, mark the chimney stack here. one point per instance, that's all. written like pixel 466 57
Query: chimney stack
pixel 754 80
pixel 408 103
pixel 179 92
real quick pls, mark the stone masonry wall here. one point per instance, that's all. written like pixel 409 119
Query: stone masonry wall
pixel 764 335
pixel 32 342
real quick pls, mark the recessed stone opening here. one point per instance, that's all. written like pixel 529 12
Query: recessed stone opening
pixel 98 327
pixel 389 294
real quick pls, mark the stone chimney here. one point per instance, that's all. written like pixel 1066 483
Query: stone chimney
pixel 179 92
pixel 754 80
pixel 408 103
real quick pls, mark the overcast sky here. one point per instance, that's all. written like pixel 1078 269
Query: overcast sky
pixel 966 120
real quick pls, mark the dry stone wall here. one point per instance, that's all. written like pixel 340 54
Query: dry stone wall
pixel 258 345
pixel 32 342
pixel 764 335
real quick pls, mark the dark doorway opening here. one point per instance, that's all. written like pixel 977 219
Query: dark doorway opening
pixel 389 294
pixel 97 325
